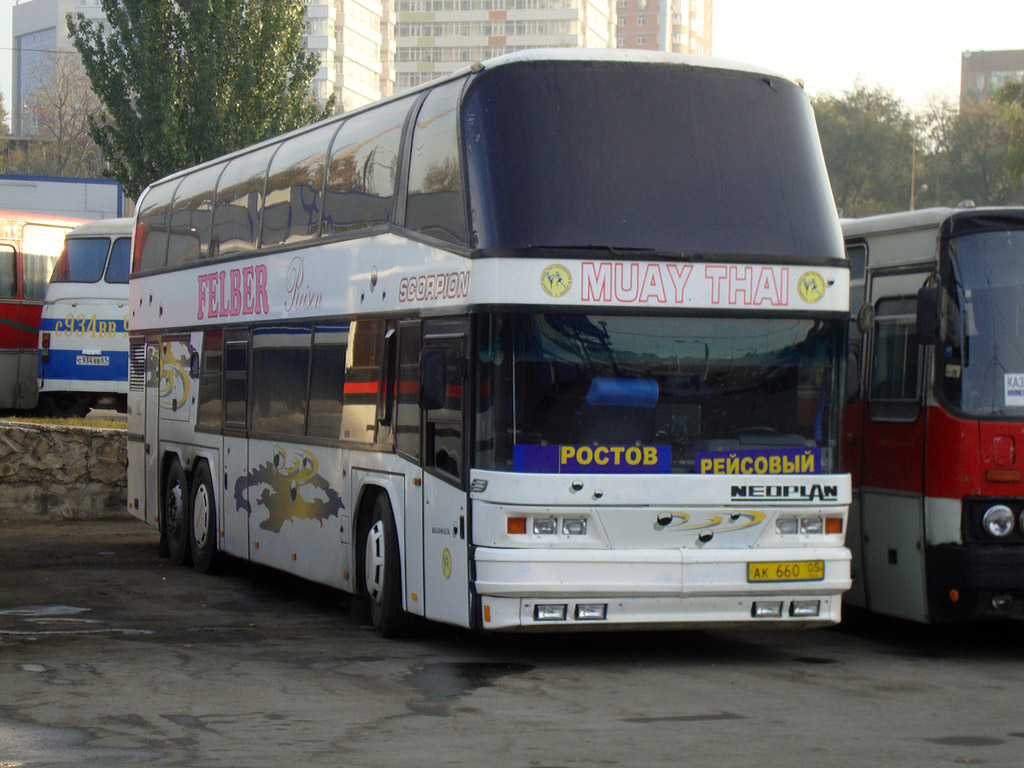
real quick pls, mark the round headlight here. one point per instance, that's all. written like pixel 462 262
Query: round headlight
pixel 998 521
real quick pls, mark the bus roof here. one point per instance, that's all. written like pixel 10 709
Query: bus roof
pixel 925 218
pixel 610 55
pixel 101 227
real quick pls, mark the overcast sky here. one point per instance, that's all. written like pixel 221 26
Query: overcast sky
pixel 910 46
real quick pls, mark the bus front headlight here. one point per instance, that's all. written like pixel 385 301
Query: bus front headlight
pixel 998 521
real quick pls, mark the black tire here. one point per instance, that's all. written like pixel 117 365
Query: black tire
pixel 382 573
pixel 64 405
pixel 203 521
pixel 175 514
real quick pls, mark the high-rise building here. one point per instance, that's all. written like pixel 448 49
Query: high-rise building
pixel 983 72
pixel 436 37
pixel 39 32
pixel 680 26
pixel 355 41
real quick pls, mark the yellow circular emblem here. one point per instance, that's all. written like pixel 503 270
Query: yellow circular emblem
pixel 446 563
pixel 811 287
pixel 555 280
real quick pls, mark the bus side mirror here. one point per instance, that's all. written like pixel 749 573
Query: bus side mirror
pixel 928 315
pixel 433 378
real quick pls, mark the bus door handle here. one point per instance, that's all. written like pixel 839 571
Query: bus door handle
pixel 147 449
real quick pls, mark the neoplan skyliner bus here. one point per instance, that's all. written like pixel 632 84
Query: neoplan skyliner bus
pixel 934 436
pixel 553 342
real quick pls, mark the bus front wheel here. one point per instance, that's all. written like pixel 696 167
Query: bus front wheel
pixel 382 572
pixel 175 513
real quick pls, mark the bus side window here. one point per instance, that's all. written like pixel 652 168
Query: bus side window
pixel 363 371
pixel 436 206
pixel 280 365
pixel 327 380
pixel 363 170
pixel 407 407
pixel 236 367
pixel 291 210
pixel 211 370
pixel 8 275
pixel 153 222
pixel 894 388
pixel 239 200
pixel 444 425
pixel 191 217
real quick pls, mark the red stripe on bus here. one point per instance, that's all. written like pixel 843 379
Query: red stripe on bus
pixel 361 387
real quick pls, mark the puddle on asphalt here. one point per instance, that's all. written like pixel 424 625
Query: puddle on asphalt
pixel 32 744
pixel 66 618
pixel 450 681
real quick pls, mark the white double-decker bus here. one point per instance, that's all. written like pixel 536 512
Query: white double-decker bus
pixel 554 342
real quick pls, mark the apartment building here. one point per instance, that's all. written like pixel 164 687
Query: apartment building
pixel 680 26
pixel 983 72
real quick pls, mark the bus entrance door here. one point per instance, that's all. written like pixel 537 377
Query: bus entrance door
pixel 445 538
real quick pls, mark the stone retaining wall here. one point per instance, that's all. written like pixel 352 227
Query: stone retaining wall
pixel 50 472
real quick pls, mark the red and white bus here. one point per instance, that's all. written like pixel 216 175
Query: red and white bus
pixel 934 436
pixel 572 365
pixel 30 245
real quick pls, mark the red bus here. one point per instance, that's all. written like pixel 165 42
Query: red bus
pixel 934 429
pixel 30 245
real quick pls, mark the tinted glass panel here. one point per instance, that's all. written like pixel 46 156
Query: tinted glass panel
pixel 362 381
pixel 292 209
pixel 436 206
pixel 363 170
pixel 327 381
pixel 669 158
pixel 120 261
pixel 407 415
pixel 153 220
pixel 895 355
pixel 192 216
pixel 210 373
pixel 280 366
pixel 738 385
pixel 235 374
pixel 8 276
pixel 981 358
pixel 83 261
pixel 41 246
pixel 236 216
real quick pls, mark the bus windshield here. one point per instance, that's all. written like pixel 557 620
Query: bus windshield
pixel 578 169
pixel 699 387
pixel 82 261
pixel 981 360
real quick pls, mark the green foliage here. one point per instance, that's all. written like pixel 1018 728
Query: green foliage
pixel 970 155
pixel 1010 103
pixel 868 138
pixel 184 81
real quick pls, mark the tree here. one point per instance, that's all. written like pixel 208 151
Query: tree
pixel 59 111
pixel 1010 101
pixel 869 140
pixel 184 81
pixel 969 154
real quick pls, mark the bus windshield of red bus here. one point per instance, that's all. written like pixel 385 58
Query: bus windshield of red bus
pixel 980 358
pixel 677 394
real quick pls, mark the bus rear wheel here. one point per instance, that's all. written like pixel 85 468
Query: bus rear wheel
pixel 64 405
pixel 203 517
pixel 175 513
pixel 382 572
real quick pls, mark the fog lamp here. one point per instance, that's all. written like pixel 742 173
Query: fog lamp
pixel 998 521
pixel 591 612
pixel 574 526
pixel 787 525
pixel 549 612
pixel 805 608
pixel 770 610
pixel 545 525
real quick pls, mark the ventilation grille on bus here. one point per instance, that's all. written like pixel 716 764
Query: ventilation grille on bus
pixel 137 368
